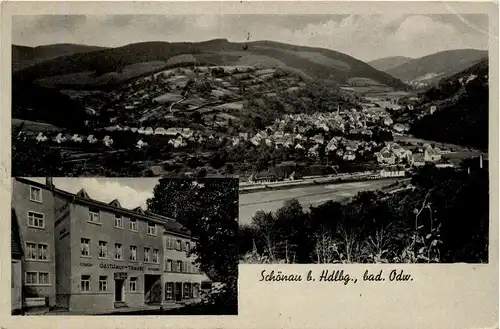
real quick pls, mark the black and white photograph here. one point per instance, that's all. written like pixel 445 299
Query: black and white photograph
pixel 356 138
pixel 124 246
pixel 270 98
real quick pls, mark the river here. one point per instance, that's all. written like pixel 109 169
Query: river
pixel 250 203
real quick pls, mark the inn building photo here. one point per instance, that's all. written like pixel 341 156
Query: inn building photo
pixel 73 253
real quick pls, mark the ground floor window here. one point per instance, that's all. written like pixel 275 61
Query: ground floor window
pixel 196 290
pixel 103 283
pixel 169 290
pixel 85 283
pixel 133 284
pixel 187 290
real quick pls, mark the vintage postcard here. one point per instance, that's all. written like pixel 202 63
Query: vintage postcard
pixel 250 164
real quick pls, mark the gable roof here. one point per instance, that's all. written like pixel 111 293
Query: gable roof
pixel 170 225
pixel 115 203
pixel 139 210
pixel 83 194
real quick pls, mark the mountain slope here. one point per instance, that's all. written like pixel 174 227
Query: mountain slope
pixel 386 63
pixel 311 62
pixel 461 103
pixel 435 67
pixel 23 56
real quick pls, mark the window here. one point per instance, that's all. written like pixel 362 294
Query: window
pixel 31 277
pixel 43 278
pixel 103 283
pixel 151 228
pixel 42 251
pixel 169 265
pixel 36 194
pixel 36 219
pixel 133 253
pixel 196 290
pixel 133 284
pixel 85 282
pixel 132 224
pixel 178 245
pixel 147 255
pixel 156 256
pixel 85 247
pixel 103 249
pixel 179 266
pixel 94 216
pixel 170 243
pixel 31 251
pixel 37 278
pixel 118 251
pixel 169 288
pixel 118 221
pixel 188 246
pixel 187 290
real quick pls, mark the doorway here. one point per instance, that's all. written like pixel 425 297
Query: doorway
pixel 178 291
pixel 119 297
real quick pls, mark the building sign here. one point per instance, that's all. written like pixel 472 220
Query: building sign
pixel 156 269
pixel 86 264
pixel 121 276
pixel 122 267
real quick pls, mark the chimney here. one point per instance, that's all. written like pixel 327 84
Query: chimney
pixel 49 182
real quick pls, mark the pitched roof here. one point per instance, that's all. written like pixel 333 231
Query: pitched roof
pixel 82 197
pixel 82 194
pixel 115 203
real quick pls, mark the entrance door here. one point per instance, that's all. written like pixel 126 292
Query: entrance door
pixel 178 291
pixel 119 290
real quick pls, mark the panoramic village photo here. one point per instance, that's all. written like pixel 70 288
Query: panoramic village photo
pixel 127 246
pixel 355 138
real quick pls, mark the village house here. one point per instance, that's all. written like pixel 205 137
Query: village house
pixel 385 157
pixel 76 138
pixel 262 177
pixel 41 138
pixel 349 156
pixel 148 131
pixel 59 138
pixel 91 139
pixel 140 144
pixel 108 141
pixel 432 154
pixel 418 160
pixel 393 171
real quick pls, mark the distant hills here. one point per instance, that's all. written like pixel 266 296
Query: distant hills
pixel 314 63
pixel 432 68
pixel 23 56
pixel 386 63
pixel 461 109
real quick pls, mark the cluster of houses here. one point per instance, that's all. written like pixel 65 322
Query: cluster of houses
pixel 61 138
pixel 393 153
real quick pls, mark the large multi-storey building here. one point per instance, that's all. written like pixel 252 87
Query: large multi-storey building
pixel 83 254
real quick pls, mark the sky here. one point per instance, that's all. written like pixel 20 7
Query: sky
pixel 366 37
pixel 131 192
